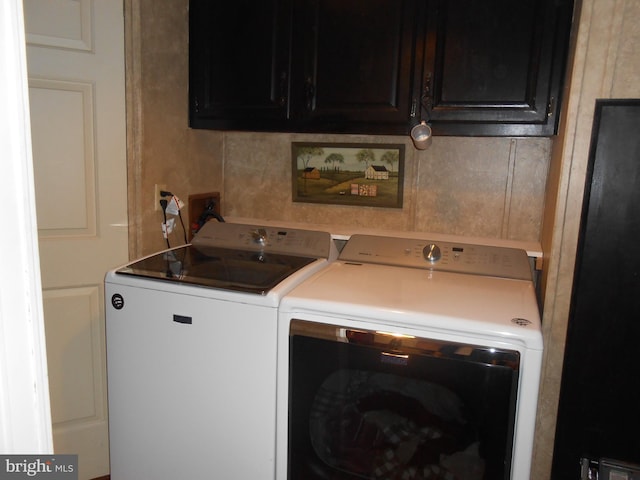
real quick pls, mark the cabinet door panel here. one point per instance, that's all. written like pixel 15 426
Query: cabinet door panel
pixel 495 64
pixel 239 57
pixel 353 64
pixel 482 53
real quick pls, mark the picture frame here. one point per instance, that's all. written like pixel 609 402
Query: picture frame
pixel 357 174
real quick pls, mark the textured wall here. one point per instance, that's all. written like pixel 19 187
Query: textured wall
pixel 162 149
pixel 490 187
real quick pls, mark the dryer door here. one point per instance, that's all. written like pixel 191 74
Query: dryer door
pixel 366 404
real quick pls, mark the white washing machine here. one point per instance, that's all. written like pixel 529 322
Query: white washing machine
pixel 410 359
pixel 191 352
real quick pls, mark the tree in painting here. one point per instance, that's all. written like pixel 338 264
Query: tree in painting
pixel 390 157
pixel 307 153
pixel 366 156
pixel 334 158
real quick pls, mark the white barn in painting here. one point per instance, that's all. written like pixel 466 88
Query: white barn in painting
pixel 376 172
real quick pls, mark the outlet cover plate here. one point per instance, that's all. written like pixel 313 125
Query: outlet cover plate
pixel 159 187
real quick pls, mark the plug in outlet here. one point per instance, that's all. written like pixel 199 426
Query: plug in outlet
pixel 156 198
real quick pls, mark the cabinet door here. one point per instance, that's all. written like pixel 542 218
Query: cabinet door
pixel 495 67
pixel 239 54
pixel 352 65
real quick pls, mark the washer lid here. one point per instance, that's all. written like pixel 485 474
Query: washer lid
pixel 239 270
pixel 244 258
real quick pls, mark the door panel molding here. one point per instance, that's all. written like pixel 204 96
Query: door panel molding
pixel 75 338
pixel 64 157
pixel 71 27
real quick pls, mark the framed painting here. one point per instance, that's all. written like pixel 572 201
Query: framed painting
pixel 358 174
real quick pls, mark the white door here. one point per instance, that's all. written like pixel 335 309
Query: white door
pixel 75 53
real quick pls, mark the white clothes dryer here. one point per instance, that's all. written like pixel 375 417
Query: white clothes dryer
pixel 411 359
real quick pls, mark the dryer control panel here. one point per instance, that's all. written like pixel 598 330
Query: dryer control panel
pixel 438 255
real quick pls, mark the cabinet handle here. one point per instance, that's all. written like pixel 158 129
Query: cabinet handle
pixel 283 89
pixel 310 91
pixel 551 106
pixel 427 92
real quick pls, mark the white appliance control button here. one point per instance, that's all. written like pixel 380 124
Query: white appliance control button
pixel 432 253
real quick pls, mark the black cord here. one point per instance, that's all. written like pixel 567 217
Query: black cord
pixel 210 211
pixel 184 230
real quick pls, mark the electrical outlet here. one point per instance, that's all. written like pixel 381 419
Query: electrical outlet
pixel 156 198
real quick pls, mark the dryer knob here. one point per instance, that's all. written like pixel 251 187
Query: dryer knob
pixel 432 253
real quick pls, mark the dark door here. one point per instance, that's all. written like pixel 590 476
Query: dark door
pixel 352 64
pixel 239 64
pixel 495 68
pixel 599 412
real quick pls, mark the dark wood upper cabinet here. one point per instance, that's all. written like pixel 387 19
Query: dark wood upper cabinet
pixel 495 68
pixel 470 67
pixel 352 65
pixel 239 64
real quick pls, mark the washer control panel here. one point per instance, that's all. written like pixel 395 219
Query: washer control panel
pixel 438 255
pixel 266 239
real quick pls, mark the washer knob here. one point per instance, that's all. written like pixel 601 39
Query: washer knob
pixel 432 253
pixel 259 236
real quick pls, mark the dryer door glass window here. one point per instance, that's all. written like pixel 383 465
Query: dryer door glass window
pixel 371 405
